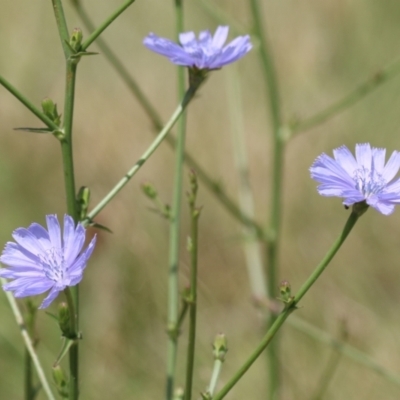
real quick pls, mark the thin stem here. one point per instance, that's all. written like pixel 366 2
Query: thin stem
pixel 174 239
pixel 193 249
pixel 28 342
pixel 386 73
pixel 62 27
pixel 46 120
pixel 289 307
pixel 276 185
pixel 145 156
pixel 328 257
pixel 98 31
pixel 107 52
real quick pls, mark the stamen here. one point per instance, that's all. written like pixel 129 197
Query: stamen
pixel 367 182
pixel 53 264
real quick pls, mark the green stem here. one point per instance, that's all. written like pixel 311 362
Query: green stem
pixel 193 249
pixel 98 31
pixel 69 179
pixel 46 120
pixel 174 239
pixel 62 26
pixel 71 307
pixel 28 342
pixel 290 307
pixel 160 137
pixel 276 188
pixel 365 88
pixel 66 142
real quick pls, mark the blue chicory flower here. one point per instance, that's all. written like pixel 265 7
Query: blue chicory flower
pixel 363 178
pixel 43 260
pixel 206 53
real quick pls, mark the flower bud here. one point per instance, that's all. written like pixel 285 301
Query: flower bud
pixel 60 381
pixel 50 110
pixel 149 190
pixel 64 319
pixel 220 347
pixel 75 40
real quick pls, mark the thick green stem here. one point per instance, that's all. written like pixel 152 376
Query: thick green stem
pixel 98 31
pixel 193 249
pixel 290 307
pixel 66 142
pixel 276 189
pixel 62 27
pixel 69 180
pixel 173 261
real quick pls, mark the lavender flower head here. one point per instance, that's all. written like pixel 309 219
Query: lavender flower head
pixel 205 53
pixel 43 260
pixel 363 178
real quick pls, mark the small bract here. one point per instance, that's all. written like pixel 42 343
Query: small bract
pixel 43 260
pixel 207 52
pixel 364 177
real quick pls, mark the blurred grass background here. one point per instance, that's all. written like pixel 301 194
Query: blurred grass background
pixel 322 51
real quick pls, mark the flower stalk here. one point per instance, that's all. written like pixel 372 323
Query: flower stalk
pixel 290 307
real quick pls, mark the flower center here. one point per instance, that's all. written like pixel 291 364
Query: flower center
pixel 53 264
pixel 368 182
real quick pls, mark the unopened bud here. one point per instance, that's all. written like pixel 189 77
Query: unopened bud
pixel 220 347
pixel 64 319
pixel 285 290
pixel 60 381
pixel 75 40
pixel 50 110
pixel 83 199
pixel 149 190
